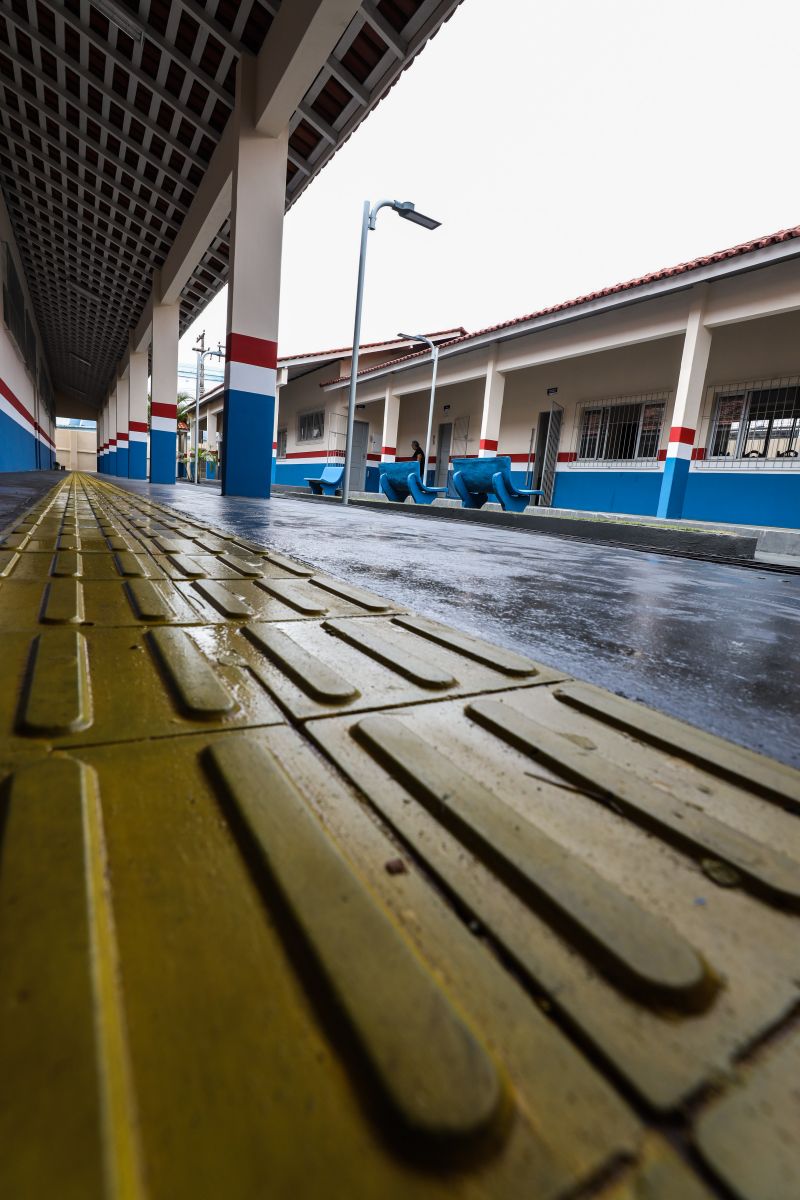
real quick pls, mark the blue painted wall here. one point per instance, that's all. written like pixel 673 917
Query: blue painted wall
pixel 744 497
pixel 18 447
pixel 634 492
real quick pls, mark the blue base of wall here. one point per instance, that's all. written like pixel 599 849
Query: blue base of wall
pixel 294 474
pixel 634 492
pixel 17 447
pixel 744 497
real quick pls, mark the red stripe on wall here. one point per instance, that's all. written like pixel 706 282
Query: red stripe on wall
pixel 164 410
pixel 682 433
pixel 699 452
pixel 137 426
pixel 256 352
pixel 7 394
pixel 487 444
pixel 315 454
pixel 662 456
pixel 374 457
pixel 567 456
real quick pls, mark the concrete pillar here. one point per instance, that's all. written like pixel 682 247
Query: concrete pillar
pixel 258 199
pixel 211 423
pixel 686 411
pixel 99 441
pixel 492 409
pixel 164 389
pixel 137 418
pixel 112 432
pixel 122 425
pixel 391 422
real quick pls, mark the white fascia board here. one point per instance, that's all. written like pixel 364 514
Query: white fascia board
pixel 742 264
pixel 301 38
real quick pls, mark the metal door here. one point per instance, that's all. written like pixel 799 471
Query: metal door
pixel 546 463
pixel 358 464
pixel 444 439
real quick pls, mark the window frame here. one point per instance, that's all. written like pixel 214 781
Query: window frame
pixel 307 415
pixel 746 392
pixel 604 432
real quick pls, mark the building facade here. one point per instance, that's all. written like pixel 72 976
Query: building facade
pixel 673 395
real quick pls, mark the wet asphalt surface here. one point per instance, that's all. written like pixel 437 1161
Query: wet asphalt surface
pixel 20 489
pixel 718 646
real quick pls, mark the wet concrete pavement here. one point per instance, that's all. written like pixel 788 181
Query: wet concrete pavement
pixel 20 489
pixel 717 646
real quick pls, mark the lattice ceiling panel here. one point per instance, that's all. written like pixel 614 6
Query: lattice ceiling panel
pixel 109 115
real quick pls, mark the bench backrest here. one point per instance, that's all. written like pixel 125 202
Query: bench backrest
pixel 332 474
pixel 477 472
pixel 397 473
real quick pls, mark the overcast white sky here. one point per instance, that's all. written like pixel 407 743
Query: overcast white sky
pixel 564 146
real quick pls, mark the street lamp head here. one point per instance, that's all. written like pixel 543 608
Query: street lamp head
pixel 406 210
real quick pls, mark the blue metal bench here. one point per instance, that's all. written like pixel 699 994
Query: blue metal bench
pixel 511 497
pixel 328 482
pixel 473 478
pixel 400 480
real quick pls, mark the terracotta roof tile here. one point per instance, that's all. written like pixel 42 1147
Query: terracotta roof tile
pixel 772 239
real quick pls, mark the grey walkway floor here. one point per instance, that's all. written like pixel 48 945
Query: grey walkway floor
pixel 20 489
pixel 715 645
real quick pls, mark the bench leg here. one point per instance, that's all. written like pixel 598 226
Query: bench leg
pixel 468 500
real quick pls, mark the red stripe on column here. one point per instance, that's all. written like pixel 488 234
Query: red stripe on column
pixel 388 450
pixel 256 352
pixel 112 441
pixel 164 410
pixel 137 426
pixel 274 445
pixel 122 437
pixel 487 444
pixel 681 433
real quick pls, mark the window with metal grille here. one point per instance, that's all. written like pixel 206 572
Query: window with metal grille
pixel 282 439
pixel 311 426
pixel 757 421
pixel 627 429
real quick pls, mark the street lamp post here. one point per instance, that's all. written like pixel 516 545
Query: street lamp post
pixel 420 337
pixel 406 210
pixel 202 355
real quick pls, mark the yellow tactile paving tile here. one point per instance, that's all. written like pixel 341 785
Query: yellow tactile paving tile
pixel 303 895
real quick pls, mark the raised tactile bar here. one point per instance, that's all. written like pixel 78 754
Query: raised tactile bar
pixel 640 952
pixel 767 871
pixel 57 698
pixel 429 1065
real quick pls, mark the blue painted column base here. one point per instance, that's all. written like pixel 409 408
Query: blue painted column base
pixel 247 421
pixel 122 463
pixel 163 444
pixel 137 460
pixel 673 487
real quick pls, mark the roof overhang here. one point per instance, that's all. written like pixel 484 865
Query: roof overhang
pixel 614 299
pixel 113 157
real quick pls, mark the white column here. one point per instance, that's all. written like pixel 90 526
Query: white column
pixel 686 410
pixel 137 418
pixel 492 409
pixel 259 197
pixel 122 424
pixel 391 422
pixel 164 389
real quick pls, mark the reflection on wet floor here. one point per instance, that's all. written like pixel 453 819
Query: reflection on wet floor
pixel 715 645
